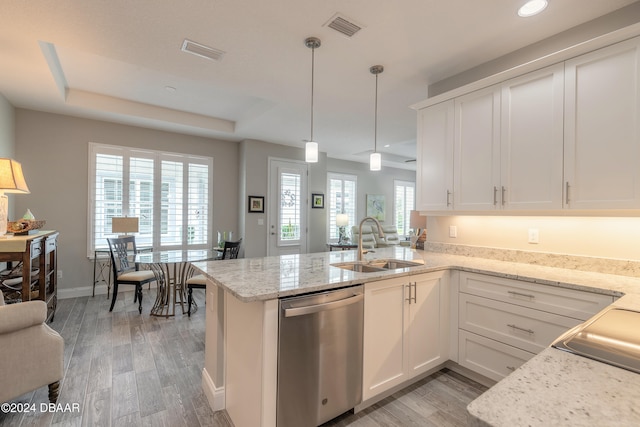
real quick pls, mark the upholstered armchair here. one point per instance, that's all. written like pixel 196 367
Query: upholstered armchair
pixel 371 239
pixel 31 352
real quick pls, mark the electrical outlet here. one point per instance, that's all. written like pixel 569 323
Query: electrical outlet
pixel 59 274
pixel 534 236
pixel 453 231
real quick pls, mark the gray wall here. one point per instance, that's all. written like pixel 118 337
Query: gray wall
pixel 53 150
pixel 254 158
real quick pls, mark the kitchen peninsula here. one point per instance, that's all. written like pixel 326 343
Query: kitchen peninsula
pixel 242 315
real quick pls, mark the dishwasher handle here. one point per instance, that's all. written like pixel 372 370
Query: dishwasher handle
pixel 310 309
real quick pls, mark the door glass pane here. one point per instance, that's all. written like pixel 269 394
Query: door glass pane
pixel 290 207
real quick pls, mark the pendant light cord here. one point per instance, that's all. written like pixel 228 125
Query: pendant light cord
pixel 375 125
pixel 313 51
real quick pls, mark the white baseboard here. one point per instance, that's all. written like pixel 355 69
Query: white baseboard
pixel 87 291
pixel 215 395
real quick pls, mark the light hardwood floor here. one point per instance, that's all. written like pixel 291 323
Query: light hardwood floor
pixel 127 369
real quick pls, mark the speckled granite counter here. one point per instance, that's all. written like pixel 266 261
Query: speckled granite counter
pixel 553 388
pixel 254 279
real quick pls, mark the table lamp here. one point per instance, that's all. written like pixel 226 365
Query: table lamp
pixel 342 220
pixel 124 225
pixel 11 181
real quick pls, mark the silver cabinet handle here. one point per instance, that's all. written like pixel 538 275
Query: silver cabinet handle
pixel 511 368
pixel 495 195
pixel 448 194
pixel 517 328
pixel 310 309
pixel 415 292
pixel 566 193
pixel 502 196
pixel 520 294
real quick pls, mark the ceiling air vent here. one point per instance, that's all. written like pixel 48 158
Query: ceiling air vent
pixel 343 25
pixel 202 50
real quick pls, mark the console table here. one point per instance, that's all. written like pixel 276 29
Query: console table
pixel 37 250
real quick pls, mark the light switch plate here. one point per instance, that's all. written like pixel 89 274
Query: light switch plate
pixel 453 231
pixel 534 236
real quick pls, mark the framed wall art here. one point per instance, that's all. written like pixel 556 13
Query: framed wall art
pixel 317 201
pixel 256 204
pixel 375 206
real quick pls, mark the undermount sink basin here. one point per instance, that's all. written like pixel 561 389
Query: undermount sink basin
pixel 376 265
pixel 359 267
pixel 392 264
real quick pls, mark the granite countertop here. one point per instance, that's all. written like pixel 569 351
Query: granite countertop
pixel 553 388
pixel 258 279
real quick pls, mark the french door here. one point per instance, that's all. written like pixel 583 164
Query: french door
pixel 287 207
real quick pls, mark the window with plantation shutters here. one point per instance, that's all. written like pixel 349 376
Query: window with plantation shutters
pixel 342 199
pixel 169 193
pixel 404 203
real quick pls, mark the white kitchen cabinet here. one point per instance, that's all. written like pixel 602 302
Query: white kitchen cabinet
pixel 476 156
pixel 504 322
pixel 531 141
pixel 488 357
pixel 405 329
pixel 434 162
pixel 602 147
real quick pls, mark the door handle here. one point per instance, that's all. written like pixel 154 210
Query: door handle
pixel 310 309
pixel 409 299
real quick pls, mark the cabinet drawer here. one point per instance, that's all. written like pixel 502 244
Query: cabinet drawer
pixel 36 248
pixel 51 244
pixel 490 358
pixel 566 302
pixel 521 327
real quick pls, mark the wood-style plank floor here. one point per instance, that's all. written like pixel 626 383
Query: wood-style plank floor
pixel 127 369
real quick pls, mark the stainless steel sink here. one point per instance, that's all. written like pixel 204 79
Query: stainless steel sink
pixel 358 267
pixel 392 264
pixel 376 265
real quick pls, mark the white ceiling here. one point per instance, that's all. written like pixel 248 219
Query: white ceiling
pixel 112 60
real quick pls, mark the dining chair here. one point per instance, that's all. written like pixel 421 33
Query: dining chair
pixel 230 251
pixel 122 249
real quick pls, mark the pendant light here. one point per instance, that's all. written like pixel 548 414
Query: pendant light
pixel 375 160
pixel 311 147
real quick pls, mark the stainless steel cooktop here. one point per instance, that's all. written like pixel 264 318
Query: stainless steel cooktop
pixel 613 337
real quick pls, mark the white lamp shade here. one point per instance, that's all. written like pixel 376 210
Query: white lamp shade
pixel 342 220
pixel 375 161
pixel 124 225
pixel 311 152
pixel 11 177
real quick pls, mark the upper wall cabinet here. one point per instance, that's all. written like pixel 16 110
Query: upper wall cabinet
pixel 563 137
pixel 531 140
pixel 602 150
pixel 476 158
pixel 434 163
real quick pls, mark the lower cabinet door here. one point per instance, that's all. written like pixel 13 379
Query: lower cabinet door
pixel 487 357
pixel 428 320
pixel 385 321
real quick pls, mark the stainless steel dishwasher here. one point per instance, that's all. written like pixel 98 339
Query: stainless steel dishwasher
pixel 319 356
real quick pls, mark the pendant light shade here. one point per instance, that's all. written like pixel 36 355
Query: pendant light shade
pixel 375 160
pixel 311 152
pixel 311 147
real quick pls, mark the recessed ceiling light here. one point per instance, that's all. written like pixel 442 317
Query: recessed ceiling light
pixel 532 7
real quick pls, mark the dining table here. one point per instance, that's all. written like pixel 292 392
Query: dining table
pixel 171 269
